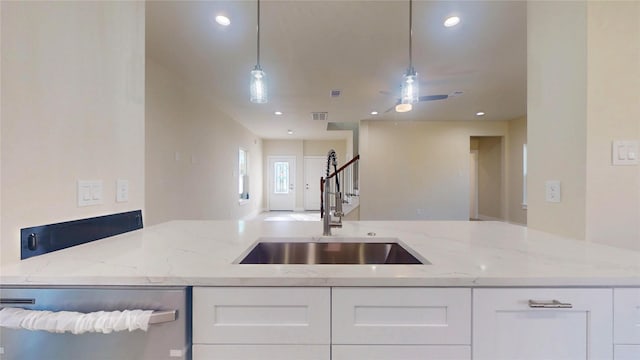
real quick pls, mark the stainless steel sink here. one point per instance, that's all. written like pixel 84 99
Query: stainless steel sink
pixel 319 252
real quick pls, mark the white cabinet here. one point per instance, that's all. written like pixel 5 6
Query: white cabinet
pixel 261 323
pixel 626 305
pixel 506 327
pixel 391 316
pixel 401 324
pixel 260 352
pixel 626 352
pixel 626 324
pixel 400 352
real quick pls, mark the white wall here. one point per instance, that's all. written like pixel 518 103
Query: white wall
pixel 418 170
pixel 517 137
pixel 556 112
pixel 613 112
pixel 72 108
pixel 322 147
pixel 583 92
pixel 192 154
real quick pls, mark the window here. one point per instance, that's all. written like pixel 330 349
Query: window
pixel 281 180
pixel 524 176
pixel 243 174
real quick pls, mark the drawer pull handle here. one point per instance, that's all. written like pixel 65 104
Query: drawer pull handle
pixel 552 304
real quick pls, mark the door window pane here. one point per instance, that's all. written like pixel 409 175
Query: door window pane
pixel 281 180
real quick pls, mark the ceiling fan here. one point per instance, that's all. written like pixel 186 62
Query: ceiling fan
pixel 423 98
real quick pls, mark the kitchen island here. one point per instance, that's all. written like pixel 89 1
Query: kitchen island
pixel 491 290
pixel 461 253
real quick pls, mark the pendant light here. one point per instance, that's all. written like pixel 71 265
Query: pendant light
pixel 258 85
pixel 409 92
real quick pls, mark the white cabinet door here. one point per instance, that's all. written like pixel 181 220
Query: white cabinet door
pixel 393 316
pixel 626 352
pixel 401 352
pixel 261 352
pixel 505 327
pixel 261 315
pixel 626 316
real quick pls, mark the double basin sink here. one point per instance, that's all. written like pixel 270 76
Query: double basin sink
pixel 347 251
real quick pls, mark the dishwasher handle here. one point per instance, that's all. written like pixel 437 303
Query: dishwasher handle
pixel 159 317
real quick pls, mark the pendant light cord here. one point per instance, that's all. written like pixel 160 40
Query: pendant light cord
pixel 410 34
pixel 258 31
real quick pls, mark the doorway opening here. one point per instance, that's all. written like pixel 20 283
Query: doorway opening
pixel 486 172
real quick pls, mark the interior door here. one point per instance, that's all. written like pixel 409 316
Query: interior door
pixel 282 180
pixel 314 169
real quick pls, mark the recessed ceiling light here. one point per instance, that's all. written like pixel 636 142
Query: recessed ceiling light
pixel 374 113
pixel 290 132
pixel 452 21
pixel 480 113
pixel 223 20
pixel 278 113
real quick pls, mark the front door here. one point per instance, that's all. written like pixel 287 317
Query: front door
pixel 314 169
pixel 282 179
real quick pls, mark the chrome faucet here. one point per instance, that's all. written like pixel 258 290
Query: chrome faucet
pixel 328 222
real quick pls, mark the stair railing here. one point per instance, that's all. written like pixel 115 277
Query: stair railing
pixel 349 184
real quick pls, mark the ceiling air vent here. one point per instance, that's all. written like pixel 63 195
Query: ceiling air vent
pixel 335 93
pixel 320 116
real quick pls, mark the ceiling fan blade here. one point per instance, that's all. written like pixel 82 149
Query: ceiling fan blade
pixel 393 107
pixel 433 97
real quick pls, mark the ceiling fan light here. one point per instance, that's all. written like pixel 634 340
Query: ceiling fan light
pixel 403 107
pixel 258 86
pixel 409 92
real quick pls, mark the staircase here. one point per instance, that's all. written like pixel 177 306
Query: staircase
pixel 347 176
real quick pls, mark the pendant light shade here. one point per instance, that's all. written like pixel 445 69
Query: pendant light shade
pixel 409 92
pixel 410 88
pixel 258 85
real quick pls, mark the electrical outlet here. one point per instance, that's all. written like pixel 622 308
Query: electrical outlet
pixel 553 191
pixel 122 190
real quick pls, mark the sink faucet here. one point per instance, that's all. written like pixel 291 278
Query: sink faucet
pixel 328 223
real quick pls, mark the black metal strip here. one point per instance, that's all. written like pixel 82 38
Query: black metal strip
pixel 9 301
pixel 43 239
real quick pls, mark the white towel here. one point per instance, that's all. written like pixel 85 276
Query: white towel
pixel 74 322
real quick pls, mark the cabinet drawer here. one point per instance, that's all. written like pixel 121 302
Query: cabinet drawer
pixel 389 316
pixel 260 315
pixel 626 316
pixel 506 327
pixel 260 352
pixel 626 352
pixel 401 352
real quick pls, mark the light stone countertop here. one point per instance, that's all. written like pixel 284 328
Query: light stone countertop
pixel 463 254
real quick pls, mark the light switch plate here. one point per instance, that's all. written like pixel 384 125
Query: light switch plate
pixel 122 190
pixel 553 191
pixel 89 192
pixel 624 152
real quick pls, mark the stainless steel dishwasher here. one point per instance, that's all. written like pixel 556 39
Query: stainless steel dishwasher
pixel 168 336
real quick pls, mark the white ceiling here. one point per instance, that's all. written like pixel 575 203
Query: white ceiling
pixel 309 48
